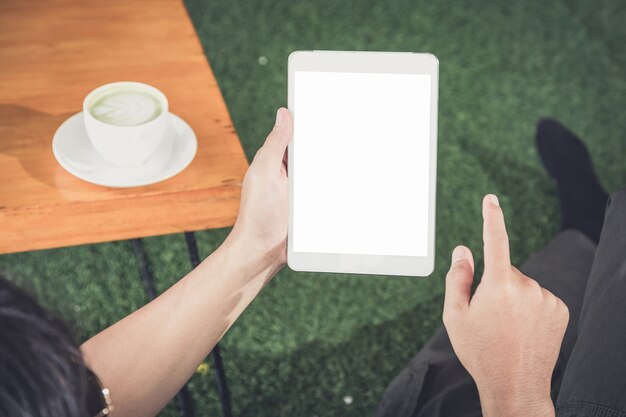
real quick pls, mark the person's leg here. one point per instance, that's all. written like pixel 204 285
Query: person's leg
pixel 594 383
pixel 436 384
pixel 563 268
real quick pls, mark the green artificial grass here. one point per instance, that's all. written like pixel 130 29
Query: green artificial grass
pixel 309 339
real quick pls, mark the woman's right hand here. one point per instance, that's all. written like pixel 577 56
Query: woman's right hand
pixel 509 333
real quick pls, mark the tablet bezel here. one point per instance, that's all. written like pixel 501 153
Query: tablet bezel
pixel 367 62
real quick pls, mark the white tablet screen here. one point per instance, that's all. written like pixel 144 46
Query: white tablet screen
pixel 361 154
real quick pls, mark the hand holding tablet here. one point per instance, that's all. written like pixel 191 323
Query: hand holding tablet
pixel 362 163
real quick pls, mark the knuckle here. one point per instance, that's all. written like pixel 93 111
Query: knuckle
pixel 556 305
pixel 254 174
pixel 447 317
pixel 533 285
pixel 459 267
pixel 548 297
pixel 259 153
pixel 562 308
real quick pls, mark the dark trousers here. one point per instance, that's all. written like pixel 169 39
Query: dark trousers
pixel 591 369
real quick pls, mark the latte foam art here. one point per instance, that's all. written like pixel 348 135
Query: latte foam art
pixel 126 108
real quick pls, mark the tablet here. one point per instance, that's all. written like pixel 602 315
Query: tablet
pixel 362 162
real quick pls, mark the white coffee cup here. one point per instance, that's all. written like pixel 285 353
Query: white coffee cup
pixel 134 141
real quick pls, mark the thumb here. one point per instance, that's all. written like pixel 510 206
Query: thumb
pixel 277 141
pixel 459 282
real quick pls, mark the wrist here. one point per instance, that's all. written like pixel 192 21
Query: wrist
pixel 251 257
pixel 516 404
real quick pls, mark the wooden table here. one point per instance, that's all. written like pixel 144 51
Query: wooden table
pixel 52 53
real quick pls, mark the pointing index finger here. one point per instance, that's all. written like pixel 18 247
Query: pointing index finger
pixel 495 238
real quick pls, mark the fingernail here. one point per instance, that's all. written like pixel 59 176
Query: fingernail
pixel 458 253
pixel 278 117
pixel 494 199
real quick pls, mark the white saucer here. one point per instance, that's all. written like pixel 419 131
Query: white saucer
pixel 73 150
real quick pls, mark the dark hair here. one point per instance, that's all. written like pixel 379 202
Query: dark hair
pixel 41 367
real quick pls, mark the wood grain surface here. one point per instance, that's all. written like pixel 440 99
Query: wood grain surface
pixel 52 53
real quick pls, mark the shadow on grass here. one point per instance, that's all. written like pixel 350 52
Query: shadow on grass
pixel 506 170
pixel 358 369
pixel 527 194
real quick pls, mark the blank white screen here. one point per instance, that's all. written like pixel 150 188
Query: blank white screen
pixel 361 154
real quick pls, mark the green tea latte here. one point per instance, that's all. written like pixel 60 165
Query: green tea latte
pixel 125 107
